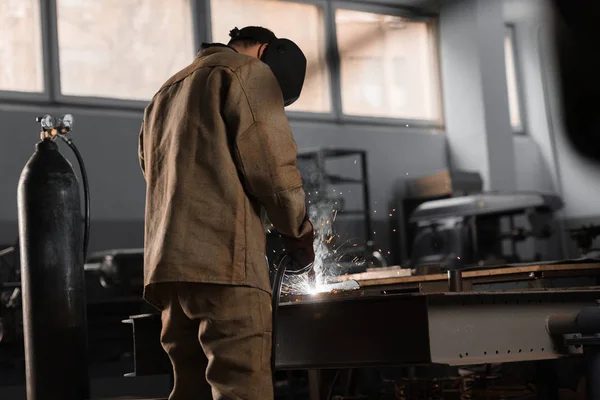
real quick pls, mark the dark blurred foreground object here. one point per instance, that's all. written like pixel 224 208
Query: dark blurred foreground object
pixel 576 34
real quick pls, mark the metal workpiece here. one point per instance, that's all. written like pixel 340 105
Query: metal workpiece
pixel 477 328
pixel 406 329
pixel 363 328
pixel 455 280
pixel 588 320
pixel 149 356
pixel 561 324
pixel 584 321
pixel 352 331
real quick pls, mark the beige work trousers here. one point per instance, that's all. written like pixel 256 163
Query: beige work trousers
pixel 218 338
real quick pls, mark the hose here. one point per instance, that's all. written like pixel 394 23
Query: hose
pixel 86 194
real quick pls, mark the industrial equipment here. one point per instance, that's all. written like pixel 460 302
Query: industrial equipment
pixel 115 274
pixel 464 231
pixel 584 237
pixel 442 184
pixel 10 295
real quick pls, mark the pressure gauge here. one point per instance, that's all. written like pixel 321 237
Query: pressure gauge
pixel 66 121
pixel 47 122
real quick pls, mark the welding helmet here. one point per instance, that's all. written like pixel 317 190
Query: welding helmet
pixel 284 57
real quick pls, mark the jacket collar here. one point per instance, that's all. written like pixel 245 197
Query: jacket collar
pixel 212 48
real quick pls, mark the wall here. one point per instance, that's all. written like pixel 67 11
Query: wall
pixel 535 159
pixel 108 142
pixel 558 167
pixel 475 98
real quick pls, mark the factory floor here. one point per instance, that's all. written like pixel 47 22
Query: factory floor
pixel 133 398
pixel 111 388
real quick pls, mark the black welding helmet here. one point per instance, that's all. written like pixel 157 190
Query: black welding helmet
pixel 284 57
pixel 288 64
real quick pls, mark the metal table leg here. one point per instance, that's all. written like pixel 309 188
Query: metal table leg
pixel 546 380
pixel 314 384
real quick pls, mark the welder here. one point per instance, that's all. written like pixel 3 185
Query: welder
pixel 217 152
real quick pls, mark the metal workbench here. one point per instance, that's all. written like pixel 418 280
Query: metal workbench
pixel 400 320
pixel 353 330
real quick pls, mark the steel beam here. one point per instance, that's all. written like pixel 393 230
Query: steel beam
pixel 382 330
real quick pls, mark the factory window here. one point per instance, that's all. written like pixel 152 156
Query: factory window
pixel 21 68
pixel 302 23
pixel 388 66
pixel 122 49
pixel 512 81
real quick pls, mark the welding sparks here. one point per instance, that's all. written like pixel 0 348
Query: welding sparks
pixel 328 253
pixel 299 284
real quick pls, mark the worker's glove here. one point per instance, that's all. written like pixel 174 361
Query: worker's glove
pixel 301 251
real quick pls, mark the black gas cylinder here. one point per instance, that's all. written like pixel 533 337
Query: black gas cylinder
pixel 52 274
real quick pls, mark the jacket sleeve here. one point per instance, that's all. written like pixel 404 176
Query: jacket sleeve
pixel 264 147
pixel 141 150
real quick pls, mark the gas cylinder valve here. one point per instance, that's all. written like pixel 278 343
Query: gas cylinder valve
pixel 52 127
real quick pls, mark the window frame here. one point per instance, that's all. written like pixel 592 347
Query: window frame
pixel 392 11
pixel 510 31
pixel 198 13
pixel 202 31
pixel 46 94
pixel 325 6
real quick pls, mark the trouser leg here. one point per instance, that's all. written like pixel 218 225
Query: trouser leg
pixel 235 333
pixel 179 338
